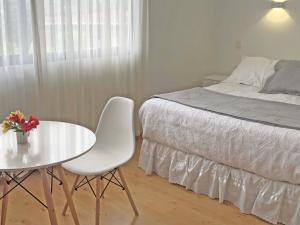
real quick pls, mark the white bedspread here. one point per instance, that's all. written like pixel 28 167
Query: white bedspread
pixel 270 152
pixel 252 92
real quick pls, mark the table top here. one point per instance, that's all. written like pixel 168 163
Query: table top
pixel 52 143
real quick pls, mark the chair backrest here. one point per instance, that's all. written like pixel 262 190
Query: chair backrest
pixel 115 130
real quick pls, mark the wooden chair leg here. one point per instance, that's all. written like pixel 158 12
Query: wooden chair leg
pixel 68 194
pixel 98 194
pixel 72 192
pixel 48 197
pixel 127 192
pixel 4 200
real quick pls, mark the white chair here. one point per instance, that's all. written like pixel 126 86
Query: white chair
pixel 115 145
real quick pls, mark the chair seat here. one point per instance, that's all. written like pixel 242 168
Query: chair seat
pixel 96 162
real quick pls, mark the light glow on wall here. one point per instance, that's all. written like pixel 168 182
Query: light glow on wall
pixel 278 15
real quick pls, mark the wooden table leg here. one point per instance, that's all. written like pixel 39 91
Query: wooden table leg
pixel 68 194
pixel 4 200
pixel 48 197
pixel 98 193
pixel 72 192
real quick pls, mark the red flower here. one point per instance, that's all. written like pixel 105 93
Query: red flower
pixel 16 117
pixel 30 124
pixel 33 122
pixel 18 122
pixel 25 127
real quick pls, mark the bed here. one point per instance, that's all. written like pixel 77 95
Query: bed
pixel 255 166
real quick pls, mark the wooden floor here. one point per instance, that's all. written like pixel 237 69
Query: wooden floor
pixel 159 203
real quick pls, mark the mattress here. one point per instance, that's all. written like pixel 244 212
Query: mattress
pixel 270 152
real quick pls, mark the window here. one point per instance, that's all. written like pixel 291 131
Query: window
pixel 16 46
pixel 68 30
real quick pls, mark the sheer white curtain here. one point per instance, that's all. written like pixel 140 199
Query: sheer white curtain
pixel 62 59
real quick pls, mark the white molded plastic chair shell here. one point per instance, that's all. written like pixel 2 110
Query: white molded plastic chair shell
pixel 115 143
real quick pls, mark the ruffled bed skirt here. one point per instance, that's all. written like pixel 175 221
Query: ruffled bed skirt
pixel 273 201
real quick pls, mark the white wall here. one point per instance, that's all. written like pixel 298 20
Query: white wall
pixel 246 27
pixel 181 44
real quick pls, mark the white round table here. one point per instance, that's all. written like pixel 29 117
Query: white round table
pixel 51 144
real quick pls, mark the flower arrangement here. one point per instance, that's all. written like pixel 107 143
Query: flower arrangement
pixel 17 122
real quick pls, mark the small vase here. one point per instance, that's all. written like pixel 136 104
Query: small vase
pixel 22 138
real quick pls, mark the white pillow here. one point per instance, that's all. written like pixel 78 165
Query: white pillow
pixel 253 71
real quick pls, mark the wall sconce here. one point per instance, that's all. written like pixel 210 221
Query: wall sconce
pixel 278 13
pixel 278 4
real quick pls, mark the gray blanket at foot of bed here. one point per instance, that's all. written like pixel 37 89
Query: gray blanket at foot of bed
pixel 256 110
